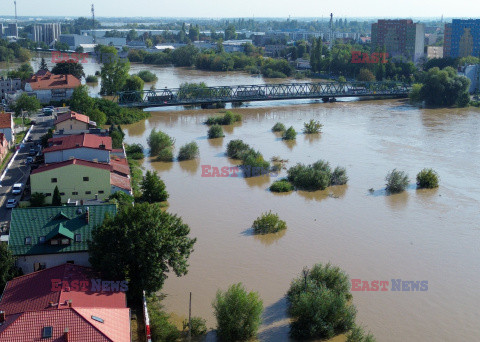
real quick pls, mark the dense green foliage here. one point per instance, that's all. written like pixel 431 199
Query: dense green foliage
pixel 238 313
pixel 27 104
pixel 69 67
pixel 235 148
pixel 215 131
pixel 147 76
pixel 289 134
pixel 427 179
pixel 157 141
pixel 24 72
pixel 98 116
pixel 365 75
pixel 133 83
pixel 121 198
pixel 134 151
pixel 227 119
pixel 165 155
pixel 443 88
pixel 141 244
pixel 199 326
pixel 188 151
pixel 312 127
pixel 357 334
pixel 397 181
pixel 56 198
pixel 161 328
pixel 253 163
pixel 318 303
pixel 281 185
pixel 268 223
pixel 91 79
pixel 37 199
pixel 8 271
pixel 9 52
pixel 317 176
pixel 153 188
pixel 117 135
pixel 114 71
pixel 278 127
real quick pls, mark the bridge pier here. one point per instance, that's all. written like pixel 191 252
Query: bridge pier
pixel 329 99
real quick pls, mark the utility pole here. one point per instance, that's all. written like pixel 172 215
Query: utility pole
pixel 16 20
pixel 190 318
pixel 331 32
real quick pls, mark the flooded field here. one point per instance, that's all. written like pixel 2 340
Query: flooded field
pixel 419 235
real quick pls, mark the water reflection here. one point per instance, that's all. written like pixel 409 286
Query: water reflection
pixel 137 129
pixel 268 239
pixel 318 196
pixel 161 166
pixel 190 166
pixel 397 201
pixel 217 142
pixel 290 143
pixel 311 138
pixel 338 191
pixel 258 181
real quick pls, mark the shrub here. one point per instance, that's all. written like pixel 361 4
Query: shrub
pixel 238 313
pixel 318 303
pixel 199 326
pixel 235 148
pixel 254 164
pixel 157 141
pixel 281 185
pixel 37 199
pixel 147 76
pixel 279 127
pixel 357 334
pixel 227 119
pixel 165 155
pixel 427 178
pixel 188 151
pixel 91 79
pixel 268 223
pixel 312 127
pixel 56 198
pixel 153 188
pixel 339 176
pixel 397 181
pixel 215 131
pixel 134 151
pixel 161 328
pixel 308 177
pixel 289 134
pixel 122 198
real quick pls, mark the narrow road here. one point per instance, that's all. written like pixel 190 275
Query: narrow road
pixel 19 170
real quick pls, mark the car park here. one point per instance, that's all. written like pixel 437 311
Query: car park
pixel 32 151
pixel 29 139
pixel 17 188
pixel 11 203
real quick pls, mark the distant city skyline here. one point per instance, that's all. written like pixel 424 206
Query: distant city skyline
pixel 244 9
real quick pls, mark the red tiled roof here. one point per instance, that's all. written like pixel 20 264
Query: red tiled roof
pixel 120 181
pixel 6 120
pixel 79 140
pixel 48 167
pixel 34 291
pixel 120 166
pixel 51 81
pixel 81 327
pixel 72 115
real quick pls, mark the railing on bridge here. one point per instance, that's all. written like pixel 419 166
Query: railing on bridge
pixel 194 95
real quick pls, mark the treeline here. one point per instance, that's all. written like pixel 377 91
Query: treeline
pixel 10 52
pixel 216 60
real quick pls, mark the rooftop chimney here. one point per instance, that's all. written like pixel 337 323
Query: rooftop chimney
pixel 65 334
pixel 70 303
pixel 2 316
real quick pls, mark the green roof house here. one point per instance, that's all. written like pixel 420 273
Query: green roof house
pixel 50 236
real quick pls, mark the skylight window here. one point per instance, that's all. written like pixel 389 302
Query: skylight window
pixel 47 332
pixel 98 319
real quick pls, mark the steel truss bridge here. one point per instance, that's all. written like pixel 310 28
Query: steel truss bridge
pixel 194 95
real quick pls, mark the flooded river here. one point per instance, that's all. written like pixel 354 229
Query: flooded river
pixel 418 235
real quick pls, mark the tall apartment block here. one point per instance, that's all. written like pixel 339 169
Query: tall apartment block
pixel 47 33
pixel 462 38
pixel 401 38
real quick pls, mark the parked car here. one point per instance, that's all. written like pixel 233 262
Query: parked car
pixel 17 188
pixel 29 139
pixel 12 203
pixel 32 151
pixel 29 160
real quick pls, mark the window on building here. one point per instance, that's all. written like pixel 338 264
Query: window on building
pixel 88 192
pixel 86 179
pixel 65 241
pixel 28 240
pixel 41 239
pixel 71 262
pixel 54 180
pixel 62 194
pixel 38 266
pixel 101 191
pixel 78 237
pixel 48 194
pixel 47 332
pixel 54 242
pixel 74 193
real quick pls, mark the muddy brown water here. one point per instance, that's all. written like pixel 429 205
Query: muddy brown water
pixel 417 235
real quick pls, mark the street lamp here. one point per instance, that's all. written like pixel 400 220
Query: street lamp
pixel 305 275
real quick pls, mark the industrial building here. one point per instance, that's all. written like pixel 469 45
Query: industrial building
pixel 47 33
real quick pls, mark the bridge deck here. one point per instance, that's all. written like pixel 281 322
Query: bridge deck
pixel 194 95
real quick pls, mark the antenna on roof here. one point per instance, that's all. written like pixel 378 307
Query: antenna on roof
pixel 15 3
pixel 93 23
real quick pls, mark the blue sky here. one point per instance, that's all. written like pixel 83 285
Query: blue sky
pixel 245 8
